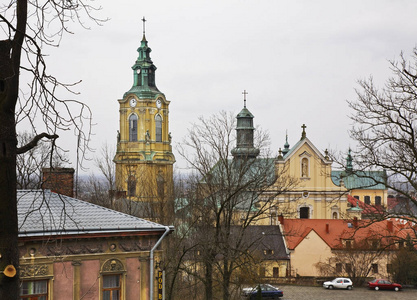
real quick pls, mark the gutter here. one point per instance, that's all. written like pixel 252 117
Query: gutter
pixel 151 267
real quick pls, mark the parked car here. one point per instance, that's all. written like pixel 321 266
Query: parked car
pixel 268 292
pixel 383 284
pixel 338 283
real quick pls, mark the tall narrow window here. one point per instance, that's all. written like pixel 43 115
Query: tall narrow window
pixel 37 289
pixel 367 200
pixel 160 185
pixel 131 186
pixel 304 212
pixel 111 287
pixel 158 128
pixel 377 200
pixel 133 128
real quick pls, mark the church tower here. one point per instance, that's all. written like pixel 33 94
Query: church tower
pixel 245 134
pixel 144 158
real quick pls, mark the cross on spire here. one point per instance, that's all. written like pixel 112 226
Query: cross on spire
pixel 143 20
pixel 244 97
pixel 303 134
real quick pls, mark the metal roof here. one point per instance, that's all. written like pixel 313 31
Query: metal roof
pixel 365 180
pixel 44 213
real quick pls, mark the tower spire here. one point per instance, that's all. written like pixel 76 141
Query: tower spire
pixel 143 26
pixel 286 145
pixel 144 70
pixel 244 98
pixel 349 161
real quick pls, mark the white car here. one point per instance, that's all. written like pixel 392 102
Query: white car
pixel 338 283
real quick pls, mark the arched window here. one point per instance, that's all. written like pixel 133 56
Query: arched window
pixel 131 186
pixel 158 128
pixel 334 215
pixel 133 128
pixel 112 273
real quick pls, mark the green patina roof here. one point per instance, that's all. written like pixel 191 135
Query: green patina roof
pixel 245 113
pixel 365 180
pixel 144 86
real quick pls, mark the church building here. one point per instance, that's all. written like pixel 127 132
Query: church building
pixel 144 159
pixel 318 192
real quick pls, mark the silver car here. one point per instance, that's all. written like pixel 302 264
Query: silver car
pixel 339 283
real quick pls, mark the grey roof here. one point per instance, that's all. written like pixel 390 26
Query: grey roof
pixel 264 238
pixel 41 212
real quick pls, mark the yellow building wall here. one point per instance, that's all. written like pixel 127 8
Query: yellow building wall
pixel 144 161
pixel 372 194
pixel 314 187
pixel 311 250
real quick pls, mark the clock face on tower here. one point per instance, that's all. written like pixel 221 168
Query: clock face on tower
pixel 158 103
pixel 132 102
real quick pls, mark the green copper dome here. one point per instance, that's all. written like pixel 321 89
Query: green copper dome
pixel 144 86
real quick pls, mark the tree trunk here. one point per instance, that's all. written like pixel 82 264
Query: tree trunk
pixel 226 281
pixel 208 284
pixel 10 53
pixel 9 287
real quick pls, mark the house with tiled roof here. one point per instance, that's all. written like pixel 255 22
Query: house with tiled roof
pixel 314 242
pixel 269 250
pixel 71 249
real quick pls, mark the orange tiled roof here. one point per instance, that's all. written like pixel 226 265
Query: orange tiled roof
pixel 367 209
pixel 333 232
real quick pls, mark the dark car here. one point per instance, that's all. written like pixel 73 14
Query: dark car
pixel 268 292
pixel 383 284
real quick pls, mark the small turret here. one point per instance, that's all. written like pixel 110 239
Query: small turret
pixel 349 163
pixel 286 146
pixel 245 133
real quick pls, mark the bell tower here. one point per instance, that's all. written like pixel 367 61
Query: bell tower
pixel 144 158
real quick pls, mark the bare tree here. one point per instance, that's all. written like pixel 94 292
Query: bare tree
pixel 29 165
pixel 28 26
pixel 356 262
pixel 385 123
pixel 404 264
pixel 225 198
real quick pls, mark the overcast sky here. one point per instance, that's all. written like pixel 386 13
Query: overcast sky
pixel 298 60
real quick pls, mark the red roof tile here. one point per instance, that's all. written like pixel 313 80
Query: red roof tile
pixel 333 232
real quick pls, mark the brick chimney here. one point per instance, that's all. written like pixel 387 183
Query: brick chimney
pixel 327 227
pixel 59 180
pixel 390 226
pixel 355 222
pixel 281 219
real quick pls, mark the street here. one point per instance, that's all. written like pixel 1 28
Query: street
pixel 292 292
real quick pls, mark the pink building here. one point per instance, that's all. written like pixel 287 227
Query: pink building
pixel 71 249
